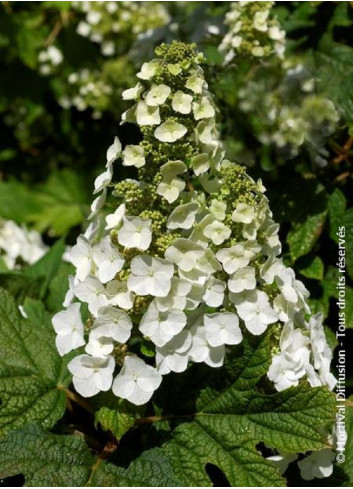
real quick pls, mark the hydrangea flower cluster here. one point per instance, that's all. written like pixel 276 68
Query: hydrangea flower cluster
pixel 85 89
pixel 290 116
pixel 252 31
pixel 105 21
pixel 19 246
pixel 49 59
pixel 187 260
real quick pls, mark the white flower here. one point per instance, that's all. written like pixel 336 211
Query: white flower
pixel 69 329
pixel 173 356
pixel 135 233
pixel 242 279
pixel 203 109
pixel 112 323
pixel 200 163
pixel 133 155
pixel 170 131
pixel 146 115
pixel 103 180
pixel 83 29
pixel 282 460
pixel 173 168
pixel 91 374
pixel 202 351
pixel 70 295
pixel 217 232
pixel 214 292
pixel 136 381
pixel 218 209
pixel 171 189
pixel 114 150
pixel 150 276
pixel 108 48
pixel 222 329
pixel 114 220
pixel 81 257
pixel 132 93
pixel 183 216
pixel 148 70
pixel 119 295
pixel 182 102
pixel 162 326
pixel 195 83
pixel 101 346
pixel 204 132
pixel 237 256
pixel 98 203
pixel 55 55
pixel 157 95
pixel 317 464
pixel 260 20
pixel 92 291
pixel 184 253
pixel 108 260
pixel 177 296
pixel 255 310
pixel 244 213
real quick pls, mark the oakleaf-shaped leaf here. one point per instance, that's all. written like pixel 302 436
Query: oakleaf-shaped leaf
pixel 32 374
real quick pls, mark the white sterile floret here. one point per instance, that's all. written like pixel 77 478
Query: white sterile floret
pixel 132 93
pixel 112 323
pixel 81 257
pixel 255 310
pixel 170 189
pixel 244 213
pixel 237 256
pixel 114 220
pixel 218 209
pixel 114 150
pixel 242 279
pixel 173 356
pixel 93 292
pixel 119 295
pixel 100 346
pixel 222 329
pixel 200 163
pixel 98 203
pixel 133 155
pixel 103 180
pixel 293 361
pixel 69 329
pixel 317 465
pixel 184 253
pixel 173 168
pixel 182 102
pixel 135 233
pixel 202 351
pixel 260 20
pixel 148 70
pixel 146 115
pixel 91 374
pixel 217 232
pixel 183 216
pixel 205 132
pixel 157 95
pixel 203 109
pixel 150 276
pixel 162 326
pixel 177 296
pixel 136 381
pixel 170 131
pixel 282 460
pixel 195 83
pixel 107 259
pixel 214 292
pixel 70 295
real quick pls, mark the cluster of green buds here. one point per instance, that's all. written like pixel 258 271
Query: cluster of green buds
pixel 252 31
pixel 187 261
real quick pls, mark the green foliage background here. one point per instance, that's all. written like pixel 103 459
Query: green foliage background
pixel 209 427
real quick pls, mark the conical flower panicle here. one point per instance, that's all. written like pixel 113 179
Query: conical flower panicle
pixel 187 262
